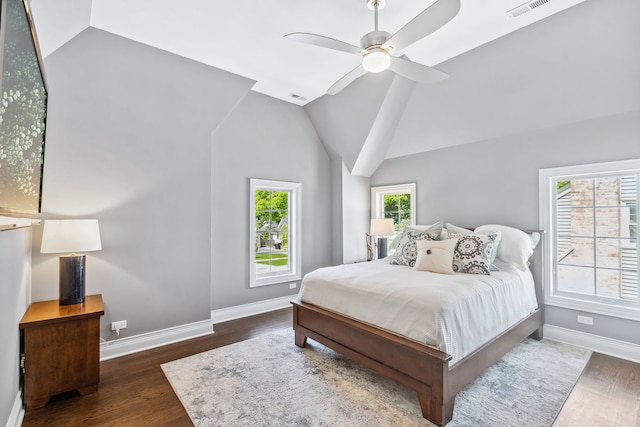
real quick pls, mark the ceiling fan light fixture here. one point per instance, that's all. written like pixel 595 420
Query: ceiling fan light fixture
pixel 376 61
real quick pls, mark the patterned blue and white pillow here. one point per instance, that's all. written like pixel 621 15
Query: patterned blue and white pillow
pixel 456 232
pixel 473 253
pixel 407 250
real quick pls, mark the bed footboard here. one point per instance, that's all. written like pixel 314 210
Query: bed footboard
pixel 418 367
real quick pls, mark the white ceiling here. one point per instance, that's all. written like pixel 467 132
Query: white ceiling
pixel 568 61
pixel 245 37
pixel 580 64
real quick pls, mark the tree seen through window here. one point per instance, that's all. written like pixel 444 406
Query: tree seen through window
pixel 272 229
pixel 398 207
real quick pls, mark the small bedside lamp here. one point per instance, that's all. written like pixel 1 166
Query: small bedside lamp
pixel 382 227
pixel 71 236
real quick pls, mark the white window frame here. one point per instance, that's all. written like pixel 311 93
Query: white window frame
pixel 377 199
pixel 294 213
pixel 547 179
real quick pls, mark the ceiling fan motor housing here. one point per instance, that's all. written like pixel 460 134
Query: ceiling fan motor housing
pixel 374 38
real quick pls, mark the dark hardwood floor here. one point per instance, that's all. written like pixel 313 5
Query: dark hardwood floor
pixel 133 390
pixel 607 394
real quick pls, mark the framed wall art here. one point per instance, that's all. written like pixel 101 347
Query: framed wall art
pixel 23 112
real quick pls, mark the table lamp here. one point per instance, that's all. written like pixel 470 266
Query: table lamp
pixel 71 236
pixel 382 227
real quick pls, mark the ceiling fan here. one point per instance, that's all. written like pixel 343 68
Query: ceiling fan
pixel 377 47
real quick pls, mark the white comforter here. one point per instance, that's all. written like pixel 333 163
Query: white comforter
pixel 453 313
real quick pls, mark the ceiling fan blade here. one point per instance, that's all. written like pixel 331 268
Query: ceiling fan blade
pixel 323 41
pixel 345 80
pixel 416 72
pixel 428 21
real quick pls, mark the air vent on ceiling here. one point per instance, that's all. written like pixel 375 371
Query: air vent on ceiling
pixel 298 97
pixel 527 7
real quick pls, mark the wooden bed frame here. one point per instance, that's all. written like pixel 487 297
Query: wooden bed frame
pixel 414 365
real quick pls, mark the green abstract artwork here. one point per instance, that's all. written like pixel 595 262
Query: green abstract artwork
pixel 23 109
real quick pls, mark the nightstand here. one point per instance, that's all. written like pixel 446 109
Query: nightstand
pixel 61 349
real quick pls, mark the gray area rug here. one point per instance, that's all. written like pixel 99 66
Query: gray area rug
pixel 268 381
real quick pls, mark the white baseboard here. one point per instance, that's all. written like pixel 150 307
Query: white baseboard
pixel 611 347
pixel 134 344
pixel 129 345
pixel 238 311
pixel 17 412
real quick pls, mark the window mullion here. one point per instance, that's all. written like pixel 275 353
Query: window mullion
pixel 595 240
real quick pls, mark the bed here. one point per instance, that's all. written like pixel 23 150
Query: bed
pixel 335 309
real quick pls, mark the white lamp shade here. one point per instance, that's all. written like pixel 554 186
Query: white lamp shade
pixel 70 235
pixel 381 227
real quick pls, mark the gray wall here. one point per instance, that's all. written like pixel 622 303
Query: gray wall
pixel 15 276
pixel 267 139
pixel 350 213
pixel 356 212
pixel 136 139
pixel 337 250
pixel 128 143
pixel 344 121
pixel 496 181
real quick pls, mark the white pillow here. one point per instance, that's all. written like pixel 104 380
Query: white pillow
pixel 422 227
pixel 535 239
pixel 435 255
pixel 443 233
pixel 454 229
pixel 516 246
pixel 396 240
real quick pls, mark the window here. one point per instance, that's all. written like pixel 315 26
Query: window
pixel 275 232
pixel 397 202
pixel 590 213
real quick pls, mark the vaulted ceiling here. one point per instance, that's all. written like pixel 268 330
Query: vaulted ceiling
pixel 245 37
pixel 561 62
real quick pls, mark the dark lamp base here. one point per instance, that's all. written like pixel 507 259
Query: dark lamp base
pixel 382 247
pixel 72 279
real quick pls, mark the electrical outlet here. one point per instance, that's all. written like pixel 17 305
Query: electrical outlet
pixel 585 320
pixel 292 285
pixel 122 324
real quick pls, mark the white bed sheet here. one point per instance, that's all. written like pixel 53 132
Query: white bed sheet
pixel 455 313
